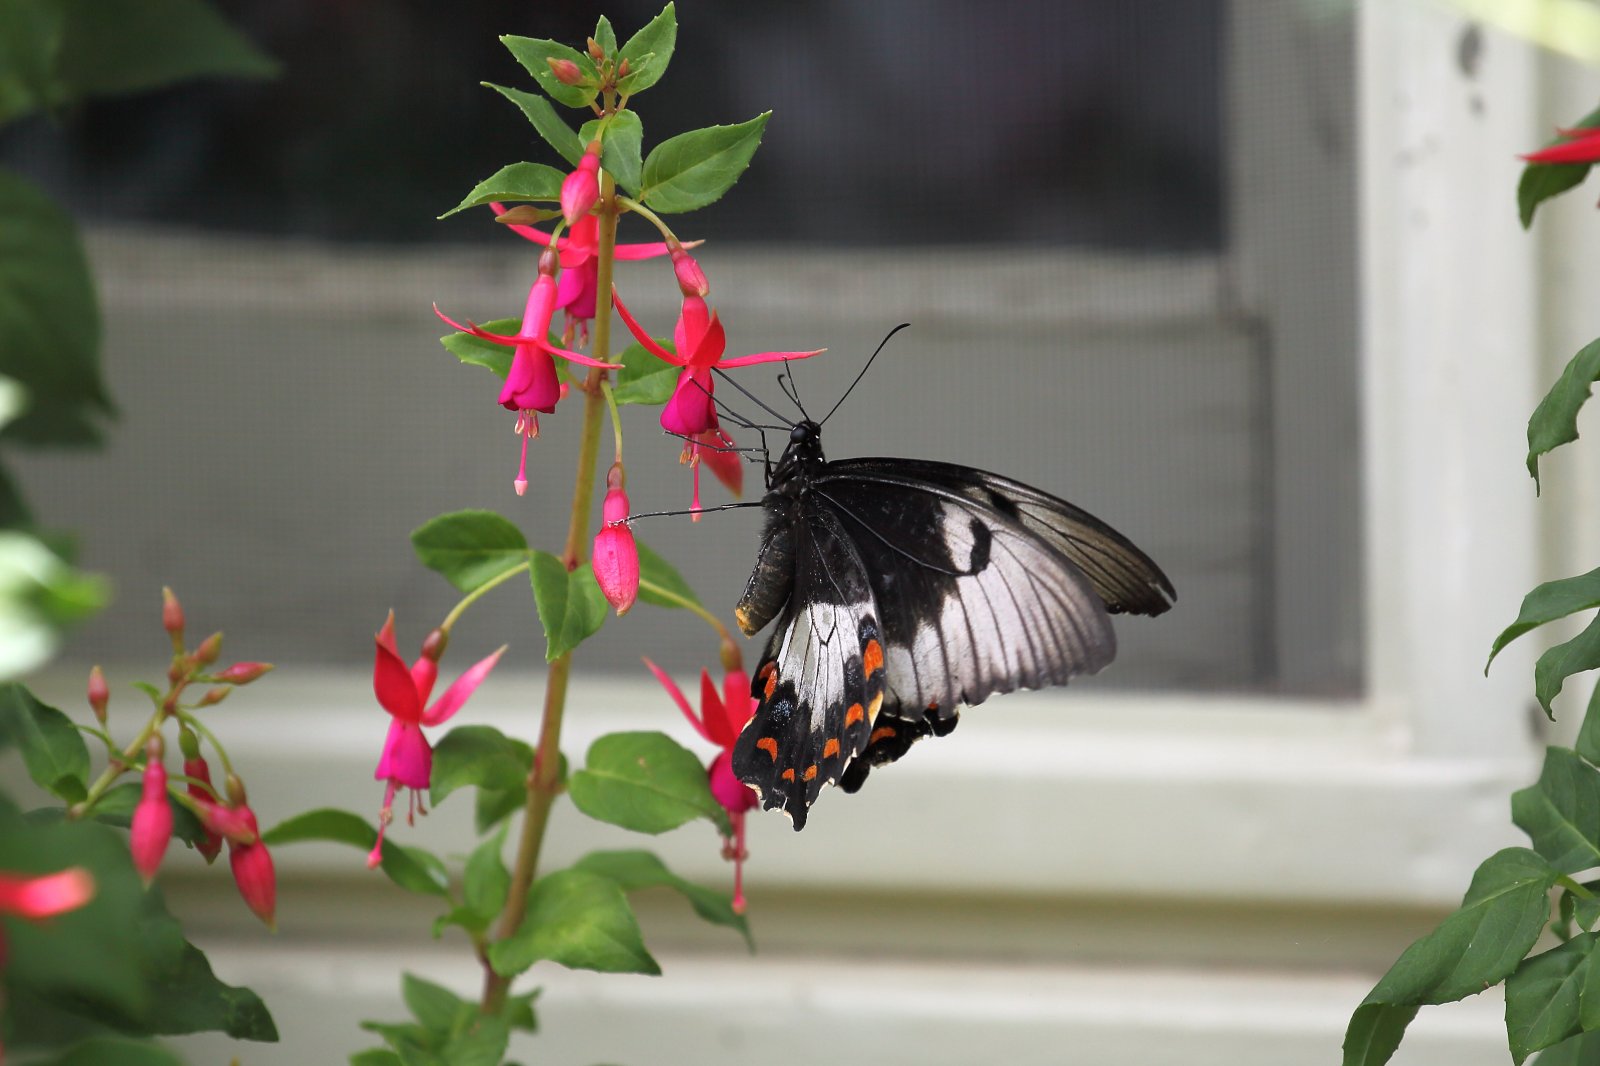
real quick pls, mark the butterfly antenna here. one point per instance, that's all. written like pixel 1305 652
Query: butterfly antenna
pixel 753 398
pixel 738 419
pixel 631 519
pixel 863 373
pixel 712 447
pixel 791 389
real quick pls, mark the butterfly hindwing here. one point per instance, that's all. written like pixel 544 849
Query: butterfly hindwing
pixel 820 682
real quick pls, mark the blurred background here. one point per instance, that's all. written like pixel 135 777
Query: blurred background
pixel 1144 267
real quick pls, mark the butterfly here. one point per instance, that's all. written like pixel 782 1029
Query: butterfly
pixel 904 589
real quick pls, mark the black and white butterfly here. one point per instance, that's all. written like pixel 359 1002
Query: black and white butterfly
pixel 902 590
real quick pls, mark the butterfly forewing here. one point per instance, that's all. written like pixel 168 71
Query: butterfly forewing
pixel 820 682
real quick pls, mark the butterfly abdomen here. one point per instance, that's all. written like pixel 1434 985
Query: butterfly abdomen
pixel 772 580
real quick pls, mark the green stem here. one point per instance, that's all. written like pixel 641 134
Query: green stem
pixel 644 212
pixel 200 727
pixel 680 600
pixel 1576 889
pixel 544 784
pixel 472 597
pixel 116 767
pixel 616 418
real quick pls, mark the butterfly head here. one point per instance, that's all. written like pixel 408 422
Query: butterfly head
pixel 803 456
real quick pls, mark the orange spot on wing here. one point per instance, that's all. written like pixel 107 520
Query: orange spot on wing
pixel 880 733
pixel 767 667
pixel 854 714
pixel 871 658
pixel 830 749
pixel 768 745
pixel 772 683
pixel 811 772
pixel 933 706
pixel 788 775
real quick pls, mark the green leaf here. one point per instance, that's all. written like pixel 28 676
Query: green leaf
pixel 519 1012
pixel 659 582
pixel 645 378
pixel 605 36
pixel 486 881
pixel 49 320
pixel 571 605
pixel 636 869
pixel 479 352
pixel 1586 912
pixel 1561 814
pixel 469 548
pixel 494 805
pixel 1555 421
pixel 478 755
pixel 482 1042
pixel 646 782
pixel 1557 664
pixel 124 1051
pixel 52 749
pixel 30 42
pixel 1477 946
pixel 411 868
pixel 376 1056
pixel 115 807
pixel 1541 181
pixel 1578 1051
pixel 518 182
pixel 125 46
pixel 1588 742
pixel 620 145
pixel 1548 602
pixel 534 54
pixel 551 126
pixel 694 169
pixel 656 39
pixel 580 920
pixel 436 1008
pixel 1542 997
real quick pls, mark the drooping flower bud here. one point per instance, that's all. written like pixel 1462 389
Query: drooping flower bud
pixel 565 70
pixel 582 187
pixel 253 871
pixel 195 768
pixel 243 673
pixel 691 279
pixel 616 557
pixel 172 617
pixel 151 830
pixel 99 694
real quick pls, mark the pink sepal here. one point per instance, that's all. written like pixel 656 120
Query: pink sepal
pixel 679 698
pixel 640 335
pixel 454 696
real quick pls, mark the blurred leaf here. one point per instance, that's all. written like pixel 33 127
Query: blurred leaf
pixel 30 44
pixel 411 868
pixel 123 1051
pixel 656 39
pixel 1578 1051
pixel 571 606
pixel 1542 997
pixel 1541 181
pixel 494 805
pixel 1588 742
pixel 580 920
pixel 376 1056
pixel 646 782
pixel 115 807
pixel 659 582
pixel 694 169
pixel 1561 814
pixel 478 755
pixel 52 749
pixel 49 318
pixel 515 183
pixel 551 126
pixel 636 869
pixel 1555 421
pixel 534 55
pixel 1575 656
pixel 486 881
pixel 469 548
pixel 519 1012
pixel 619 147
pixel 436 1008
pixel 1474 948
pixel 644 377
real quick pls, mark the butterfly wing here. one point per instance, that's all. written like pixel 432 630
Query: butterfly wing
pixel 983 585
pixel 821 679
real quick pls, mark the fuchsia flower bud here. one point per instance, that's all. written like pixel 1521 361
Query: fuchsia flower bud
pixel 582 188
pixel 99 694
pixel 172 617
pixel 209 649
pixel 565 70
pixel 616 557
pixel 243 673
pixel 151 830
pixel 253 872
pixel 691 279
pixel 194 767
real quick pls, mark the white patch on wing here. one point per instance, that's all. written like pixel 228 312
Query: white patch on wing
pixel 822 641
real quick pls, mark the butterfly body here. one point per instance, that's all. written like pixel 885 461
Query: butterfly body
pixel 904 589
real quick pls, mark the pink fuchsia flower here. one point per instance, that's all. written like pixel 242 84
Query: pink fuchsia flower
pixel 720 720
pixel 407 759
pixel 531 384
pixel 151 829
pixel 1582 145
pixel 700 342
pixel 715 449
pixel 580 266
pixel 615 558
pixel 581 189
